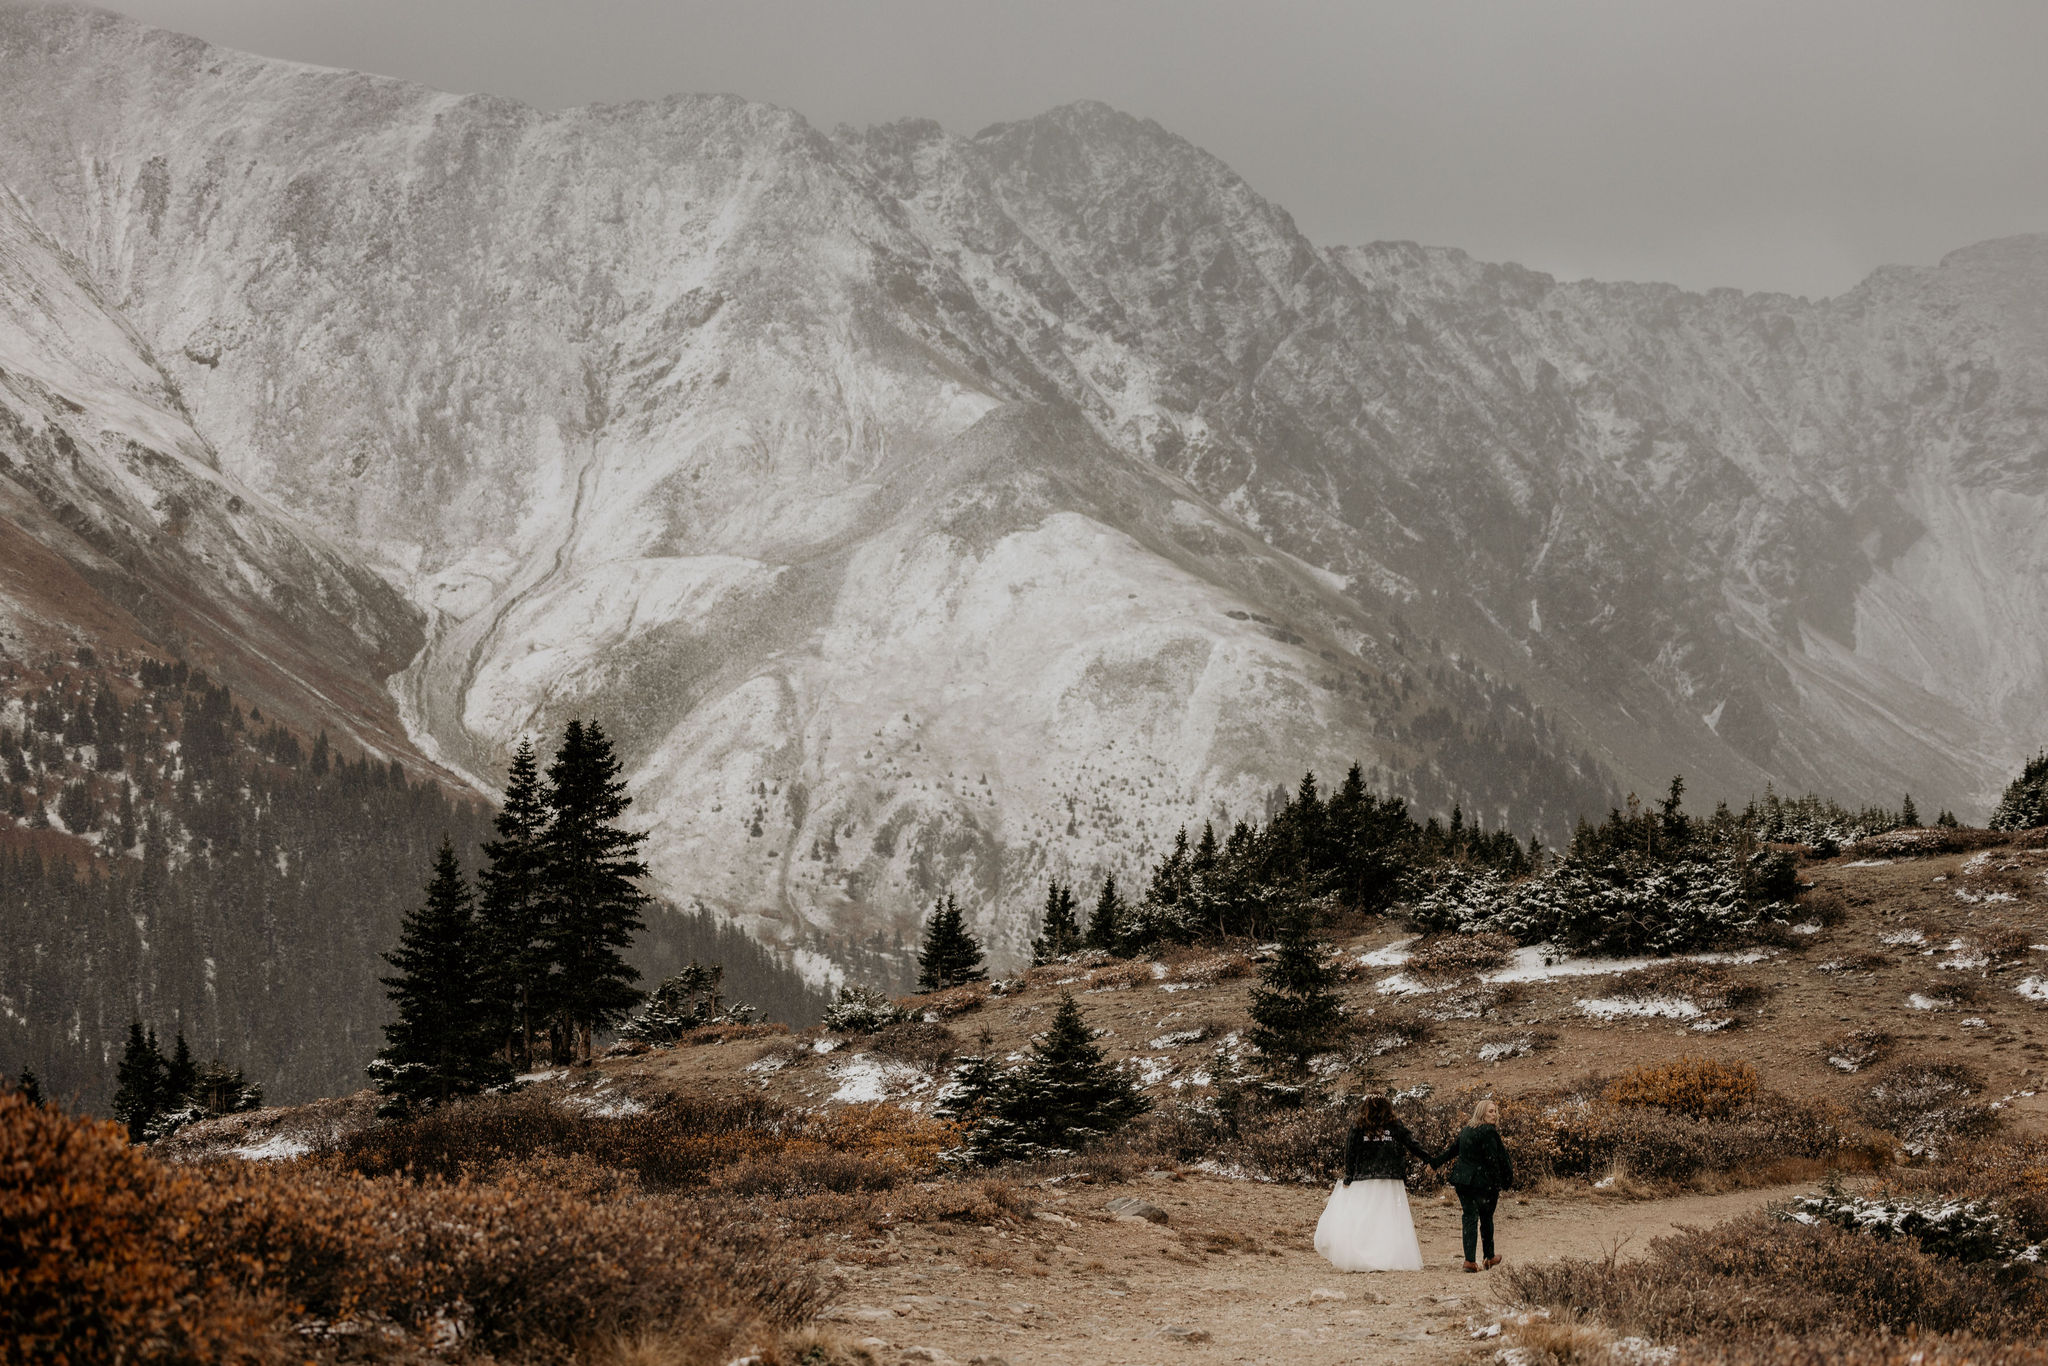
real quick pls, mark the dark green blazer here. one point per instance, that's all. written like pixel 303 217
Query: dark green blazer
pixel 1483 1160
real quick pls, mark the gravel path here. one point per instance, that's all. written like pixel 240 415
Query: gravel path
pixel 1230 1278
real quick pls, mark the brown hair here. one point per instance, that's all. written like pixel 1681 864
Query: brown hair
pixel 1376 1113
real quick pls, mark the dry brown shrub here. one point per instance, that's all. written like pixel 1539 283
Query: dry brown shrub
pixel 948 1003
pixel 1855 1049
pixel 1560 1341
pixel 1121 975
pixel 1854 962
pixel 1454 955
pixel 117 1257
pixel 1870 1349
pixel 1702 1088
pixel 1758 1278
pixel 1471 1000
pixel 102 1258
pixel 1574 1134
pixel 2006 943
pixel 922 1043
pixel 1926 1102
pixel 1709 986
pixel 1214 968
pixel 1389 1031
pixel 679 1142
pixel 728 1033
pixel 1823 904
pixel 1951 991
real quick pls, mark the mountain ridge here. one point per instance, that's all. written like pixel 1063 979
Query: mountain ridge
pixel 645 408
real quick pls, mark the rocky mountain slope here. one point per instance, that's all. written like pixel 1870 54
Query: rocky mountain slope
pixel 926 511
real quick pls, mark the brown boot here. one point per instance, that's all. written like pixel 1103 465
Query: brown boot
pixel 1471 1266
pixel 1492 1262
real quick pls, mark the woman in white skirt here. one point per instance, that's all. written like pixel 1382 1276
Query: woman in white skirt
pixel 1367 1226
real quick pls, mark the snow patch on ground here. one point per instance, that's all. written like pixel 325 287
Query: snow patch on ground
pixel 2033 988
pixel 1545 962
pixel 1622 1007
pixel 1152 1071
pixel 864 1080
pixel 1177 1038
pixel 276 1148
pixel 1901 938
pixel 1390 956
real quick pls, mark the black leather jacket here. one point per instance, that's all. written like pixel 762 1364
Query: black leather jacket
pixel 1380 1154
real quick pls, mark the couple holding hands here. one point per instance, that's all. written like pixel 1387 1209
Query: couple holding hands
pixel 1367 1227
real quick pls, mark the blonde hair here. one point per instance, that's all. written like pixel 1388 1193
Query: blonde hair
pixel 1479 1110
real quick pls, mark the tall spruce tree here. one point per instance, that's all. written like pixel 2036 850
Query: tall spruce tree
pixel 513 904
pixel 951 955
pixel 182 1074
pixel 1106 925
pixel 1065 1096
pixel 1294 1008
pixel 447 1036
pixel 1059 934
pixel 1909 814
pixel 139 1095
pixel 592 866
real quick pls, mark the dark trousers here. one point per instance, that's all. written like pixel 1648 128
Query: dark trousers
pixel 1478 1203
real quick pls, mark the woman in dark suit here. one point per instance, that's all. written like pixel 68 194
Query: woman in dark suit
pixel 1483 1171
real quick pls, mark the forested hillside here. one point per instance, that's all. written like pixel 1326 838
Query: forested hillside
pixel 170 855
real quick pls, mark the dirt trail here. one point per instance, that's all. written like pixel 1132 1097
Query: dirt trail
pixel 1232 1278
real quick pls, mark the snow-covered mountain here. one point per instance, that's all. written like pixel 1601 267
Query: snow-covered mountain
pixel 120 530
pixel 925 511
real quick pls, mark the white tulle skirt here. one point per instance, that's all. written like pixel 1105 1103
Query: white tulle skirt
pixel 1367 1227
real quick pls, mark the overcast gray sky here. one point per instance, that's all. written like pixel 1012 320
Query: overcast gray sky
pixel 1786 145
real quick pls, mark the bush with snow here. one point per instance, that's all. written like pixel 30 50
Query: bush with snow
pixel 1965 1230
pixel 862 1010
pixel 1622 905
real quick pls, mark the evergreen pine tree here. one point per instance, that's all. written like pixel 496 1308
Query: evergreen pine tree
pixel 1105 927
pixel 445 1039
pixel 593 908
pixel 1059 934
pixel 1294 1008
pixel 139 1097
pixel 951 955
pixel 1909 814
pixel 181 1075
pixel 1065 1095
pixel 512 905
pixel 1946 820
pixel 2025 803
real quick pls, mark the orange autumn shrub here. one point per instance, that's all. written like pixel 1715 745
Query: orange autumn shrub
pixel 108 1255
pixel 1701 1088
pixel 101 1252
